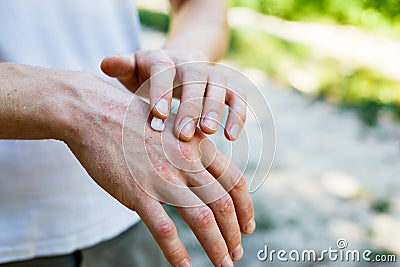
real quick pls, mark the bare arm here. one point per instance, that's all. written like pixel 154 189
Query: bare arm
pixel 198 26
pixel 29 109
pixel 88 114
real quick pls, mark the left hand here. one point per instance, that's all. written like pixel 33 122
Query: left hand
pixel 204 99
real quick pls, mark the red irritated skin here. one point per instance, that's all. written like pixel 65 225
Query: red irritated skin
pixel 88 115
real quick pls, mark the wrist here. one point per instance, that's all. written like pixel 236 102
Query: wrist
pixel 42 103
pixel 91 109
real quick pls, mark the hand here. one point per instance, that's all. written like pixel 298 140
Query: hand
pixel 95 122
pixel 88 115
pixel 203 99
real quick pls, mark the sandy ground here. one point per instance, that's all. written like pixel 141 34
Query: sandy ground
pixel 333 178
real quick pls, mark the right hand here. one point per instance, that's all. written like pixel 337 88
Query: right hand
pixel 203 89
pixel 96 142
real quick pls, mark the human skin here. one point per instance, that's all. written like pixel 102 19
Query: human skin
pixel 88 115
pixel 198 32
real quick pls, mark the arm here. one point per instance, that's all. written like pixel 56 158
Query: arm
pixel 198 32
pixel 198 27
pixel 28 110
pixel 88 114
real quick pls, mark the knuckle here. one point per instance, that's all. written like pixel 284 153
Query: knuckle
pixel 225 205
pixel 165 229
pixel 160 58
pixel 193 102
pixel 235 237
pixel 191 107
pixel 215 95
pixel 245 213
pixel 164 65
pixel 197 71
pixel 173 255
pixel 241 185
pixel 204 218
pixel 219 78
pixel 248 209
pixel 163 61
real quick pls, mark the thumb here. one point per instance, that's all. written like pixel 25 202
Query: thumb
pixel 121 67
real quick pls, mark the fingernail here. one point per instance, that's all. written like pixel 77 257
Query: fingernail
pixel 211 120
pixel 227 262
pixel 162 107
pixel 185 263
pixel 234 131
pixel 157 124
pixel 187 127
pixel 250 226
pixel 237 253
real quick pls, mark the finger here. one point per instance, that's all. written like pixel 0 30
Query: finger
pixel 232 179
pixel 203 226
pixel 206 187
pixel 194 80
pixel 236 116
pixel 202 222
pixel 244 206
pixel 121 67
pixel 214 103
pixel 164 232
pixel 162 75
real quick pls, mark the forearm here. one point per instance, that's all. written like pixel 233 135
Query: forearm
pixel 28 102
pixel 198 27
pixel 42 103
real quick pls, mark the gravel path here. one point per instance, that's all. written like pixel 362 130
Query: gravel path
pixel 333 178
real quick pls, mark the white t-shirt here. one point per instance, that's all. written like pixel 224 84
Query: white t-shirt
pixel 48 203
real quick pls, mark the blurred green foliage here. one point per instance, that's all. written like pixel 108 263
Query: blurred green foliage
pixel 383 15
pixel 381 206
pixel 366 90
pixel 273 55
pixel 156 20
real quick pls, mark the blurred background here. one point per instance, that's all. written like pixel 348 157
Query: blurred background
pixel 331 73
